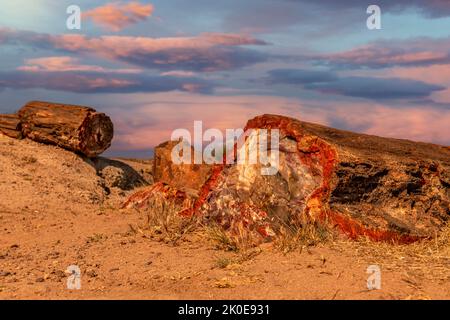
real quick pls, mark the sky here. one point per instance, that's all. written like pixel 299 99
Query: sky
pixel 156 66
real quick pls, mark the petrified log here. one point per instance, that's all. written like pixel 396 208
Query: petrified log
pixel 187 176
pixel 380 188
pixel 76 128
pixel 10 125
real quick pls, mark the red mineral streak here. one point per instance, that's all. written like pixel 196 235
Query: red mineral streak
pixel 353 229
pixel 141 198
pixel 205 191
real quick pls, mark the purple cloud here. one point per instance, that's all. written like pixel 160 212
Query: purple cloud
pixel 376 88
pixel 300 76
pixel 384 54
pixel 361 87
pixel 204 53
pixel 100 82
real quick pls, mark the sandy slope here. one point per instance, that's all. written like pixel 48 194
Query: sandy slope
pixel 56 211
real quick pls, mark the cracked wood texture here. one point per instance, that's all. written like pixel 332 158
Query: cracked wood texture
pixel 76 128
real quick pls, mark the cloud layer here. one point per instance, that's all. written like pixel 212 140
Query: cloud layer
pixel 152 118
pixel 390 53
pixel 430 8
pixel 66 64
pixel 361 87
pixel 207 52
pixel 101 82
pixel 117 16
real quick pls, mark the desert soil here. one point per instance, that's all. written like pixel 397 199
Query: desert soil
pixel 55 211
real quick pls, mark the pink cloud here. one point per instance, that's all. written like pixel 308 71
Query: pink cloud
pixel 442 96
pixel 178 73
pixel 151 123
pixel 122 46
pixel 437 74
pixel 66 64
pixel 98 83
pixel 423 123
pixel 206 52
pixel 117 16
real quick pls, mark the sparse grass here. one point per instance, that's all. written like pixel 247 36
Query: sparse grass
pixel 238 238
pixel 247 255
pixel 298 235
pixel 435 249
pixel 29 160
pixel 290 237
pixel 221 238
pixel 105 208
pixel 96 237
pixel 236 259
pixel 223 262
pixel 426 259
pixel 164 222
pixel 132 231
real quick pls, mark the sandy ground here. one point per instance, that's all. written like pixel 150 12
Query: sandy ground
pixel 54 213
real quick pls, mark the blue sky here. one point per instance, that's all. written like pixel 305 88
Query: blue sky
pixel 155 66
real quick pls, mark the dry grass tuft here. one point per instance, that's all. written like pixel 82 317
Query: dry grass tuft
pixel 163 222
pixel 236 239
pixel 298 235
pixel 221 239
pixel 223 262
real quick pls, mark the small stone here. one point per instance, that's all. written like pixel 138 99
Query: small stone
pixel 5 273
pixel 59 274
pixel 91 273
